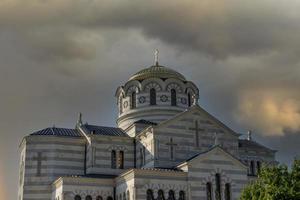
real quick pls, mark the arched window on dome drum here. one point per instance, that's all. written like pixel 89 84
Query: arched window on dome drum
pixel 160 195
pixel 113 159
pixel 124 196
pixel 133 100
pixel 218 187
pixel 120 105
pixel 88 197
pixel 189 99
pixel 77 197
pixel 152 96
pixel 121 160
pixel 99 198
pixel 171 195
pixel 150 195
pixel 181 195
pixel 227 191
pixel 208 191
pixel 173 97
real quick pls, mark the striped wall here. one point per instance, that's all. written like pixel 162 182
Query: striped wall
pixel 203 169
pixel 59 156
pixel 182 131
pixel 99 154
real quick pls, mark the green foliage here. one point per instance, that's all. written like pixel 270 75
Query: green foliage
pixel 275 183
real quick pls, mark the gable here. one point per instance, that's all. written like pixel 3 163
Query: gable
pixel 216 157
pixel 187 119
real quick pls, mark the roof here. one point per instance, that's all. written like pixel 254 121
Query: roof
pixel 58 132
pixel 157 71
pixel 244 143
pixel 143 121
pixel 103 130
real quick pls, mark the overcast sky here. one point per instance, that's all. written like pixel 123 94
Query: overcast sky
pixel 58 58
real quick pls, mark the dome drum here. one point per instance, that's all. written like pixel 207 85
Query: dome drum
pixel 151 90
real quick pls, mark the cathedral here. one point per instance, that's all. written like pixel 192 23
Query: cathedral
pixel 164 147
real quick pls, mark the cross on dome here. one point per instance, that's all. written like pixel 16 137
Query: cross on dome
pixel 156 56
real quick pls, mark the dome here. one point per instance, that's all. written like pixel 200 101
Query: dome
pixel 157 71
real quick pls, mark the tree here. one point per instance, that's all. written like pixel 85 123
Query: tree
pixel 275 183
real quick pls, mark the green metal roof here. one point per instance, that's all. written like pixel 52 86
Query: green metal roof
pixel 157 71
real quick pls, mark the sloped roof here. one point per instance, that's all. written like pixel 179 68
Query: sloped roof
pixel 103 130
pixel 244 143
pixel 157 71
pixel 58 132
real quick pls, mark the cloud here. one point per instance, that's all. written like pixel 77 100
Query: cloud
pixel 272 111
pixel 219 29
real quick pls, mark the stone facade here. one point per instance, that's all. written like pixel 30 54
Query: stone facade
pixel 166 147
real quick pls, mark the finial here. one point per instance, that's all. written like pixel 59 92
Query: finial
pixel 216 139
pixel 249 135
pixel 156 56
pixel 79 121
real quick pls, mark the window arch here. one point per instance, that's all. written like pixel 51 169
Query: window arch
pixel 227 191
pixel 181 195
pixel 133 100
pixel 99 198
pixel 171 195
pixel 152 96
pixel 109 198
pixel 121 160
pixel 77 197
pixel 258 166
pixel 160 195
pixel 218 186
pixel 128 195
pixel 173 97
pixel 150 195
pixel 113 159
pixel 189 99
pixel 252 167
pixel 208 191
pixel 88 197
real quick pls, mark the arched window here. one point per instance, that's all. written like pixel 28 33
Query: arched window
pixel 133 100
pixel 152 96
pixel 252 168
pixel 181 195
pixel 258 166
pixel 208 191
pixel 113 159
pixel 88 197
pixel 150 195
pixel 218 187
pixel 189 99
pixel 120 105
pixel 160 195
pixel 173 97
pixel 171 195
pixel 227 191
pixel 121 160
pixel 124 196
pixel 128 195
pixel 77 197
pixel 109 198
pixel 99 198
